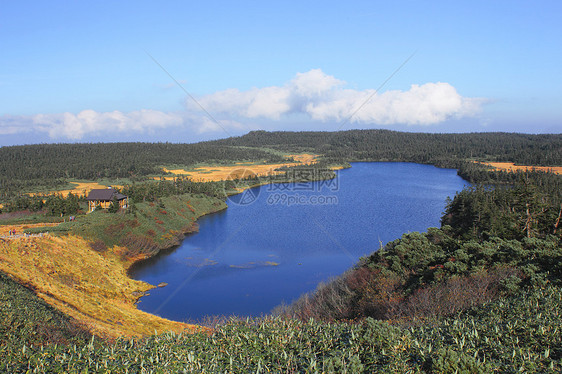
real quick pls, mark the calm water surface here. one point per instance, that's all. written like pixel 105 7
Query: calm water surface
pixel 278 241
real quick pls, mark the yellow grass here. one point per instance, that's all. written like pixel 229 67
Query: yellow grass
pixel 338 167
pixel 218 173
pixel 5 229
pixel 80 188
pixel 92 287
pixel 510 166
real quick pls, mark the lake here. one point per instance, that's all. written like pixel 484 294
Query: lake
pixel 276 242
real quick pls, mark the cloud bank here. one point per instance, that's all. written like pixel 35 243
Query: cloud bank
pixel 324 98
pixel 317 96
pixel 76 126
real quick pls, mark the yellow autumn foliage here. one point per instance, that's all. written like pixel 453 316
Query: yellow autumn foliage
pixel 90 286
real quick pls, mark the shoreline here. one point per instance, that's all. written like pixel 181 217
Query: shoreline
pixel 128 265
pixel 67 286
pixel 147 272
pixel 179 237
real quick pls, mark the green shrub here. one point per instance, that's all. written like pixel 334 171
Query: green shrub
pixel 449 361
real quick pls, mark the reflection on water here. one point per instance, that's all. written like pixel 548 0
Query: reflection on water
pixel 251 257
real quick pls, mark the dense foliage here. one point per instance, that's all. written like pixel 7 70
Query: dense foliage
pixel 509 213
pixel 49 165
pixel 26 319
pixel 520 333
pixel 385 145
pixel 50 204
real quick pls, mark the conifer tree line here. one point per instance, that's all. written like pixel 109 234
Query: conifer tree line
pixel 48 166
pixel 50 204
pixel 386 145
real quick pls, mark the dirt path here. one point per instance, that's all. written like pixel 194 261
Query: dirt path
pixel 19 229
pixel 18 236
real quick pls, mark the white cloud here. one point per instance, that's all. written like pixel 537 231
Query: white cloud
pixel 112 125
pixel 76 126
pixel 314 83
pixel 323 97
pixel 10 125
pixel 313 95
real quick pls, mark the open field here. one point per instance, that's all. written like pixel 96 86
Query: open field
pixel 80 188
pixel 510 166
pixel 92 287
pixel 240 170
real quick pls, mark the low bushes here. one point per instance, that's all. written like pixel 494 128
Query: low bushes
pixel 422 275
pixel 140 230
pixel 516 333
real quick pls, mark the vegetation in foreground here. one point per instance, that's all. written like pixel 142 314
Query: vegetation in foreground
pixel 515 334
pixel 26 319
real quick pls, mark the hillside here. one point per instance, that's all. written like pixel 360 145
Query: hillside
pixel 44 167
pixel 80 267
pixel 385 145
pixel 482 293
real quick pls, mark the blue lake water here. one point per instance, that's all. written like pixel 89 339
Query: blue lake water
pixel 276 242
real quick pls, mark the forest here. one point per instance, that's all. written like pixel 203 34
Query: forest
pixel 47 166
pixel 482 293
pixel 385 145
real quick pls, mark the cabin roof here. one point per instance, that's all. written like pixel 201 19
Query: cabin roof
pixel 106 194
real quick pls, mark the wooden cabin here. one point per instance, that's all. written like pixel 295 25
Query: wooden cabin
pixel 104 198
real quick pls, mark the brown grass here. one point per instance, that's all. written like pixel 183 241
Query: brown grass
pixel 80 188
pixel 91 286
pixel 510 166
pixel 5 229
pixel 240 170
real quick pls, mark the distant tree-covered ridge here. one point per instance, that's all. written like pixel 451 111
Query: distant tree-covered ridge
pixel 50 165
pixel 386 145
pixel 44 163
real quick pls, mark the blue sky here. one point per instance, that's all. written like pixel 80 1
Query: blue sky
pixel 82 72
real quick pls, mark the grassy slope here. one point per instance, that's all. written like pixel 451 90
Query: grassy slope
pixel 89 286
pixel 153 226
pixel 26 319
pixel 85 275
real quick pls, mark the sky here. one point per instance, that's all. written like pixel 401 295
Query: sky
pixel 185 71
